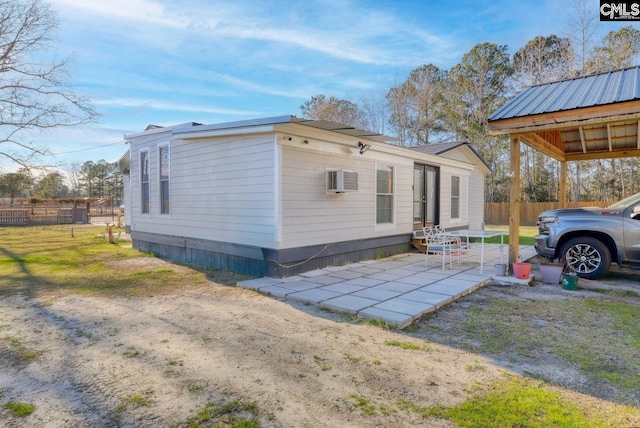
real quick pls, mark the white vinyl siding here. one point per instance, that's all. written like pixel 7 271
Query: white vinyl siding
pixel 446 209
pixel 311 215
pixel 222 189
pixel 471 192
pixel 475 200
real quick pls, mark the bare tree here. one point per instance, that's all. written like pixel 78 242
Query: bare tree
pixel 34 93
pixel 399 115
pixel 582 24
pixel 478 85
pixel 333 109
pixel 543 60
pixel 421 98
pixel 618 49
pixel 375 114
pixel 73 177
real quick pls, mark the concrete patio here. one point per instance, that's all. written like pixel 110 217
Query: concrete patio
pixel 397 290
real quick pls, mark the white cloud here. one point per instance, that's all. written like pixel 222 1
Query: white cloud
pixel 350 32
pixel 138 10
pixel 168 106
pixel 318 41
pixel 268 89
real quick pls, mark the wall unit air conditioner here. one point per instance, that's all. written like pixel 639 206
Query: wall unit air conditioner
pixel 340 181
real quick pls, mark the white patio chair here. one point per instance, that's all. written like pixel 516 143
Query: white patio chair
pixel 460 247
pixel 436 243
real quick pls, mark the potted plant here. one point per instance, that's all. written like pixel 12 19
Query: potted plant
pixel 552 272
pixel 521 270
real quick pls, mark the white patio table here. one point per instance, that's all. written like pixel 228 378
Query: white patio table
pixel 481 234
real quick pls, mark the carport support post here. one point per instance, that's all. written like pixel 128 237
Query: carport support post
pixel 562 195
pixel 514 198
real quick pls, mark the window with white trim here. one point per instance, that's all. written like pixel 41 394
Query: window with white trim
pixel 144 181
pixel 163 153
pixel 455 197
pixel 384 194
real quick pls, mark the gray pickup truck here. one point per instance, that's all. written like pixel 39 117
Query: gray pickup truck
pixel 589 239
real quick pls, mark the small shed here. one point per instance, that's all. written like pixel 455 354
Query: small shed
pixel 283 195
pixel 584 118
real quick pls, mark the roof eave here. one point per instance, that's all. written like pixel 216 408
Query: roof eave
pixel 566 119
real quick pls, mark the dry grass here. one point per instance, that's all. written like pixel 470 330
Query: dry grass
pixel 59 259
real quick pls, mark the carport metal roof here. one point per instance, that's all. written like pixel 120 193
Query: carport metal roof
pixel 589 117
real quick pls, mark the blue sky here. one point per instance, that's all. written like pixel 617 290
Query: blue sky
pixel 167 62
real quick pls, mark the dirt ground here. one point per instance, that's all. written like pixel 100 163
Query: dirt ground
pixel 541 360
pixel 155 360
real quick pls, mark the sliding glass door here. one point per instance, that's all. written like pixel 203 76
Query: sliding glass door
pixel 425 196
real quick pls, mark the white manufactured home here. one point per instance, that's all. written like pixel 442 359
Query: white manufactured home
pixel 283 195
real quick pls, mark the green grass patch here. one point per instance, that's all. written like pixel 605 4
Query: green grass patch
pixel 18 351
pixel 565 330
pixel 352 359
pixel 519 402
pixel 527 234
pixel 138 400
pixel 321 362
pixel 19 409
pixel 39 260
pixel 131 352
pixel 378 323
pixel 406 345
pixel 364 405
pixel 194 387
pixel 232 414
pixel 367 407
pixel 151 272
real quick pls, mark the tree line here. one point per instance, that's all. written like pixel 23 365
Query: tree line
pixel 94 180
pixel 434 105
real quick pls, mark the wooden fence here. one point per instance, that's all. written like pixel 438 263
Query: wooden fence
pixel 494 213
pixel 499 213
pixel 102 215
pixel 40 215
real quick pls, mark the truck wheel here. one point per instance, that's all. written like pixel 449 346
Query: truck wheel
pixel 588 257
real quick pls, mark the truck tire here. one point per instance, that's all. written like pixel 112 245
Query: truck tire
pixel 588 257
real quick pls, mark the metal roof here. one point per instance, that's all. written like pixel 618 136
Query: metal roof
pixel 580 92
pixel 440 148
pixel 590 117
pixel 283 120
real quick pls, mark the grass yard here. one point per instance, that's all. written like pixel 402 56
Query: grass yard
pixel 42 266
pixel 36 260
pixel 527 234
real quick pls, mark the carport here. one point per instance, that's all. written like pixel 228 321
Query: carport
pixel 585 118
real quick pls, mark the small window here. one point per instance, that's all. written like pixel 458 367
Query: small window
pixel 164 179
pixel 384 194
pixel 144 181
pixel 455 197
